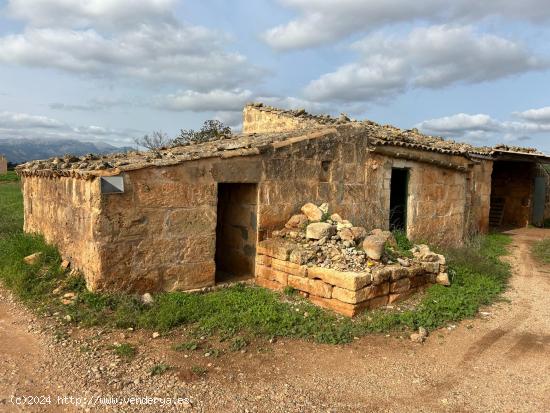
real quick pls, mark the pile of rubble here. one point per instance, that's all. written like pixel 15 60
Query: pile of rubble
pixel 343 267
pixel 330 241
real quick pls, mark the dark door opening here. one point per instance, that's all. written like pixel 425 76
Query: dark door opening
pixel 399 193
pixel 236 231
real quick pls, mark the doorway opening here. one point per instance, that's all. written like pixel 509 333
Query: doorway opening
pixel 236 231
pixel 399 193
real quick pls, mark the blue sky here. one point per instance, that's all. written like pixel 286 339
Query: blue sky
pixel 100 70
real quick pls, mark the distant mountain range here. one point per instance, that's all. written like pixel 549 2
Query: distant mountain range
pixel 23 150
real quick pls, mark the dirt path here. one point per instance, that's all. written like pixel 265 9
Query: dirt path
pixel 499 362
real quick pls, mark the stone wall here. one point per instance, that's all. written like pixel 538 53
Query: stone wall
pixel 262 120
pixel 66 211
pixel 160 234
pixel 436 208
pixel 329 169
pixel 347 293
pixel 3 165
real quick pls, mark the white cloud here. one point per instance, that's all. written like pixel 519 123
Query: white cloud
pixel 15 120
pixel 482 128
pixel 24 125
pixel 432 57
pixel 460 124
pixel 83 14
pixel 541 115
pixel 324 21
pixel 214 100
pixel 163 53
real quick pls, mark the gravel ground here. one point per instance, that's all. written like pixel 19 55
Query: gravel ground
pixel 497 362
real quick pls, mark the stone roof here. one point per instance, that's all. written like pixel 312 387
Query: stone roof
pixel 90 166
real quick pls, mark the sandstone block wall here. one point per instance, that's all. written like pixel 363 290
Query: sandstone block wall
pixel 326 169
pixel 66 212
pixel 257 120
pixel 437 200
pixel 347 293
pixel 3 165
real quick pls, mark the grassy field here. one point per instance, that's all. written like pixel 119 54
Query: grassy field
pixel 541 251
pixel 478 278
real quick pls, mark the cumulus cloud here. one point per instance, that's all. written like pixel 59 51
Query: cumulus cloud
pixel 214 100
pixel 126 40
pixel 541 115
pixel 23 125
pixel 324 21
pixel 460 124
pixel 432 57
pixel 83 14
pixel 482 128
pixel 164 53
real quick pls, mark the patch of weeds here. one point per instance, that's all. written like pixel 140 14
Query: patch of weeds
pixel 159 369
pixel 290 291
pixel 124 350
pixel 541 251
pixel 199 371
pixel 238 343
pixel 212 352
pixel 187 346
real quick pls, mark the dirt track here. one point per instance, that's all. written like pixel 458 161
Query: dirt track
pixel 499 362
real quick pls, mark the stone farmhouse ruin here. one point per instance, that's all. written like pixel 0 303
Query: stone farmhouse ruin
pixel 192 216
pixel 3 165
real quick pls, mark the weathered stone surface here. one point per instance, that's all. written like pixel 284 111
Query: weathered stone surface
pixel 263 260
pixel 189 276
pixel 300 283
pixel 377 302
pixel 346 234
pixel 275 248
pixel 312 212
pixel 298 256
pixel 272 285
pixel 380 275
pixel 319 230
pixel 349 296
pixel 271 274
pixel 396 297
pixel 400 286
pixel 374 291
pixel 349 310
pixel 399 272
pixel 33 258
pixel 443 279
pixel 297 221
pixel 359 233
pixel 349 280
pixel 336 217
pixel 386 235
pixel 289 267
pixel 431 267
pixel 374 246
pixel 320 288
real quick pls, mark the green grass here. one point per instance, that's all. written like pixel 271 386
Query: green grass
pixel 11 176
pixel 241 311
pixel 541 251
pixel 159 369
pixel 124 350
